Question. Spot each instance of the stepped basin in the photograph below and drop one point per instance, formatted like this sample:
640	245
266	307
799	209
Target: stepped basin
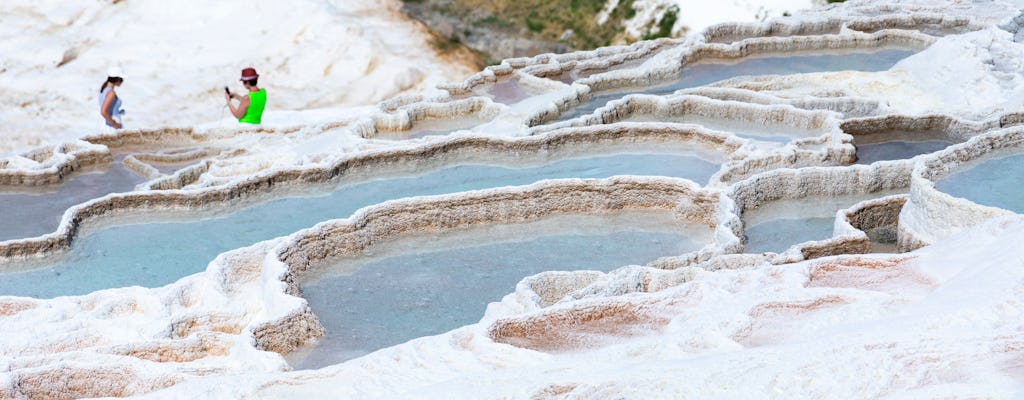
775	134
779	225
431	127
505	91
993	181
30	212
900	145
150	254
570	76
165	160
430	284
167	168
709	71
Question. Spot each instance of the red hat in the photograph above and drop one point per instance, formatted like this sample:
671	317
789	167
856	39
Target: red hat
249	74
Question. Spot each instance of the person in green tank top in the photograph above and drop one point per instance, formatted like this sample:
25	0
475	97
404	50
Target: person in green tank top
250	107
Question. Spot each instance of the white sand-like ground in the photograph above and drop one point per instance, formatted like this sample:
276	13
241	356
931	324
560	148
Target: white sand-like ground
179	55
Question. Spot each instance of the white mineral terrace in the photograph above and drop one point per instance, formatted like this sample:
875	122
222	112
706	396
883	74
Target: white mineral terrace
817	206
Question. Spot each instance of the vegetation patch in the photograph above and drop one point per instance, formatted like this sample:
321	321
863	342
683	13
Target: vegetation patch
534	23
665	24
548	20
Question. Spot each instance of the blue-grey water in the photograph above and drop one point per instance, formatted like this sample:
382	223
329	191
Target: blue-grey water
778	225
155	254
780	234
897	150
425	291
994	182
704	73
26	214
772	133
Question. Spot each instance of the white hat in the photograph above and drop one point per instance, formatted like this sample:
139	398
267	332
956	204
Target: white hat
115	72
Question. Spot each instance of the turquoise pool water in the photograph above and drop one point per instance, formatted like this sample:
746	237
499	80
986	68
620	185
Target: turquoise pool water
994	182
425	290
155	254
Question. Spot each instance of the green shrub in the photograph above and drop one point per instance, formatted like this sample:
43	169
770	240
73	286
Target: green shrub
547	19
623	10
589	6
533	23
665	24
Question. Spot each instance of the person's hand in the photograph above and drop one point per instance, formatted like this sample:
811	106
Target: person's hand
117	125
227	96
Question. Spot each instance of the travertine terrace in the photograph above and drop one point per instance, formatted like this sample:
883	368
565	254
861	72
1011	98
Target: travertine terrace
815	306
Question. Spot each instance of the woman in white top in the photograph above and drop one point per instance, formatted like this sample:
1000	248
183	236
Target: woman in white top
110	104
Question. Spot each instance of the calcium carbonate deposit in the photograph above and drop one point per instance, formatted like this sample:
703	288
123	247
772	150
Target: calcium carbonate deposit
822	205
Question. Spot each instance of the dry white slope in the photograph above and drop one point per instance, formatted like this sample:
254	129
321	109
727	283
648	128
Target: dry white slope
178	56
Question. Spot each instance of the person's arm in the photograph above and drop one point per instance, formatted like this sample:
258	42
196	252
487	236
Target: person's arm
107	102
243	105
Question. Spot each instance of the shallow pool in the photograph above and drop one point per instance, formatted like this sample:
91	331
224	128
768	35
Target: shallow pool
776	226
427	287
777	134
505	91
710	71
32	212
169	168
900	145
994	182
897	150
432	127
155	254
777	235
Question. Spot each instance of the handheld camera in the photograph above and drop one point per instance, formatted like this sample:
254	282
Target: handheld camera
226	90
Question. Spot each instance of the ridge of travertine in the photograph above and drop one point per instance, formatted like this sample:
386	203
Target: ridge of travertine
359	166
402	113
931	215
218	332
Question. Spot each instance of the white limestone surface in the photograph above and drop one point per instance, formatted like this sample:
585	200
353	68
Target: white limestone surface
979	78
695	15
942	321
311	55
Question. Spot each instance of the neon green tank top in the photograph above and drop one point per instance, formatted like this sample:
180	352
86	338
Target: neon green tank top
254	114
